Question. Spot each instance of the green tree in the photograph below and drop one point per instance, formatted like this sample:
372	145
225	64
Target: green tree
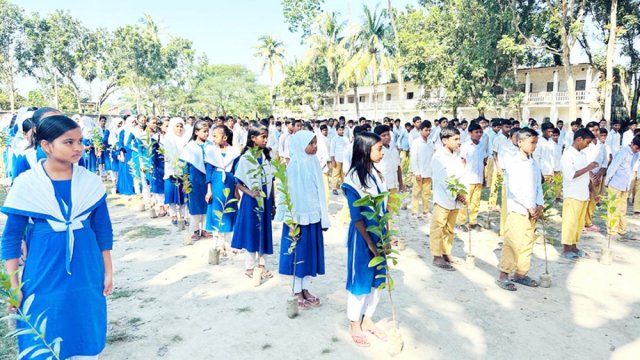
300	14
271	53
11	30
305	85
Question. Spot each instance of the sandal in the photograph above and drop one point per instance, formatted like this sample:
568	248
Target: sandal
451	260
378	333
445	266
360	339
583	254
315	301
206	234
174	220
526	281
303	304
266	274
570	255
249	273
506	284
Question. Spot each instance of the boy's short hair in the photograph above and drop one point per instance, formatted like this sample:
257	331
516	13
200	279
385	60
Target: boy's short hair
556	131
448	132
547	125
526	133
473	127
604	131
381	129
425	124
636	141
583	133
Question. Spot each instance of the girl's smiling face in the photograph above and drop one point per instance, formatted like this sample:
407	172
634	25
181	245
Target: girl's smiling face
203	133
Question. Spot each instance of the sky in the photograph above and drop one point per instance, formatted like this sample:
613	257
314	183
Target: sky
227	31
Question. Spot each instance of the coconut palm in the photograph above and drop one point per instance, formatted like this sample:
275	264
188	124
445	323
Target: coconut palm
271	53
326	44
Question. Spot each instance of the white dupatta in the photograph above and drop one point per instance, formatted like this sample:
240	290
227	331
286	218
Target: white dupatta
194	155
33	195
250	180
224	164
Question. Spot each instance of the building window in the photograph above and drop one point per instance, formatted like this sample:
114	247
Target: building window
410	95
581	85
388	97
549	86
341	100
361	98
350	99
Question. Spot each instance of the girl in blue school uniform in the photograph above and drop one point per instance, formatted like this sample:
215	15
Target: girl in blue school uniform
104	160
252	230
193	155
363	179
90	156
173	143
112	147
307	191
124	185
156	182
220	160
69	242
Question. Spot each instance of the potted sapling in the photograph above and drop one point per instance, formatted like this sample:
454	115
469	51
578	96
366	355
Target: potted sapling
455	187
183	179
549	195
259	176
214	252
610	204
497	189
383	206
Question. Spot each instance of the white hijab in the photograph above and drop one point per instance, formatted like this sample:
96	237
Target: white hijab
306	184
128	127
173	146
114	131
213	155
88	125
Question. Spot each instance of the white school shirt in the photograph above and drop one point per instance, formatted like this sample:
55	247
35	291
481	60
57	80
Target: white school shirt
627	137
474	156
420	157
444	165
346	160
568	139
573	160
544	155
557	155
598	153
338	144
414	134
282	142
464	136
500	143
323	152
619	173
389	166
524	189
613	140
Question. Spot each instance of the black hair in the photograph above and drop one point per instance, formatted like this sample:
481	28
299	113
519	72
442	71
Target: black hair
323	127
473	127
102	117
52	127
583	133
504	122
361	159
41	114
575	123
416	118
526	133
425	124
227	133
556	131
592	124
256	130
27	125
198	125
278	123
559	122
448	132
546	126
604	131
636	141
357	130
381	129
340	126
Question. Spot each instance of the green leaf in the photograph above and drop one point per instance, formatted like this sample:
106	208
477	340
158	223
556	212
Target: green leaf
43	326
27	303
26	351
40	352
376	261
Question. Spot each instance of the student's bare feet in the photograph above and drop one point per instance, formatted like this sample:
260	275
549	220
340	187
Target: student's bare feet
440	262
451	260
357	335
303	303
315	301
368	326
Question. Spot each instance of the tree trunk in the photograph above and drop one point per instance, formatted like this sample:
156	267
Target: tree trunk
357	100
636	96
611	48
399	69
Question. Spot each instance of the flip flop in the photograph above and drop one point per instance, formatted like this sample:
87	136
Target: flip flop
378	333
360	339
445	267
314	301
506	284
583	254
570	256
249	273
526	281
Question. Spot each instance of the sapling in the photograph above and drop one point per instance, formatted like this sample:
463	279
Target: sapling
456	188
497	189
610	203
97	142
382	208
549	196
227	208
37	329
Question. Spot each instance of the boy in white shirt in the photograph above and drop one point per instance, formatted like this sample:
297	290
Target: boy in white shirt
336	151
525	202
575	189
614	139
420	157
415	132
595	152
390	163
618	179
545	151
627	137
446	164
473	156
499	141
557	155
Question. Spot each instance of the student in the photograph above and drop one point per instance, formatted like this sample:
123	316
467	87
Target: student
446	164
114	134
628	135
415	131
252	230
568	138
557	155
575	189
615	138
69	243
420	157
90	156
125	185
306	188
499	142
525	202
104	160
618	179
193	156
362	281
602	139
156	182
336	152
595	152
389	166
545	152
474	156
221	159
173	144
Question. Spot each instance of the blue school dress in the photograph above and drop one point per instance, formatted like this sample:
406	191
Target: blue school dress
73	303
252	230
21	162
157	169
360	277
125	178
308	254
89	156
106	152
220	180
198	180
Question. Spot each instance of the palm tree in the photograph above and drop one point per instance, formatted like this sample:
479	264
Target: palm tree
271	52
369	46
326	44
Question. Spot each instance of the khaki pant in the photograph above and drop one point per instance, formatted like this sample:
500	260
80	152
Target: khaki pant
559	188
488	171
503	209
441	231
493	193
473	199
338	176
573	214
591	208
621	212
636	196
404	154
518	244
423	187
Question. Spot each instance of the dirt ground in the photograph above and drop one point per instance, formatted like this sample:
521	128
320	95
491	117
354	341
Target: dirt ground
170	303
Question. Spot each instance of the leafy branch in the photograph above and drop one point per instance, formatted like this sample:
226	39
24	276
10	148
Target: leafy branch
455	187
96	142
226	207
610	203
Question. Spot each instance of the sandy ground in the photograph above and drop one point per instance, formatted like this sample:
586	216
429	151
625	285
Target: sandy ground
169	303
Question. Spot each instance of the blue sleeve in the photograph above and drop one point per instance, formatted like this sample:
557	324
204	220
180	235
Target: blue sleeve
87	142
101	225
12	236
210	170
21	165
354	211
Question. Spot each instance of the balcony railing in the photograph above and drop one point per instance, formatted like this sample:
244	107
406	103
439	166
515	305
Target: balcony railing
560	97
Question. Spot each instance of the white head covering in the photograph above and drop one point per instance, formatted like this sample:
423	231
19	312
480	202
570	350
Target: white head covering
128	127
306	185
114	131
88	125
173	146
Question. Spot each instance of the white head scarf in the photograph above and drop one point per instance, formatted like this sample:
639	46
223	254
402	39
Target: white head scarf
306	185
87	124
173	146
114	131
128	127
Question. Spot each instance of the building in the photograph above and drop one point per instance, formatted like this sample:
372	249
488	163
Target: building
545	97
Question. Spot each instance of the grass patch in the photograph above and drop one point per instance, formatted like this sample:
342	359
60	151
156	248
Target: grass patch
334	339
121	293
144	231
326	351
266	346
176	339
243	309
118	336
134	321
